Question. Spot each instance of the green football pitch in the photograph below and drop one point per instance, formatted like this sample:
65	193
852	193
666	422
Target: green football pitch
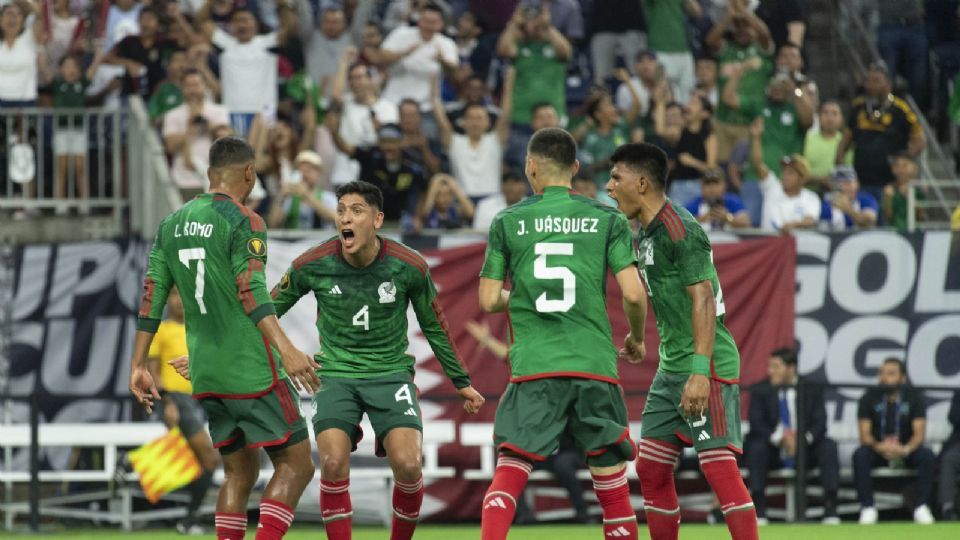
891	531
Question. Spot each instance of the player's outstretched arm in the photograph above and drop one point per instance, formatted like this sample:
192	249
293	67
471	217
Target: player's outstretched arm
703	313
635	309
433	324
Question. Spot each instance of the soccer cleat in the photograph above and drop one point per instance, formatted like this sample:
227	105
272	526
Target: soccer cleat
922	515
831	520
762	522
869	516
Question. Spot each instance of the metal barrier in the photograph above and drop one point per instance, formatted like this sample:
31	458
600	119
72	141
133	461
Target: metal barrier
83	161
63	159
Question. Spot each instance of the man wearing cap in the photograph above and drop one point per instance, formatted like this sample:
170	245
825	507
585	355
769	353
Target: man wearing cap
847	207
786	204
303	203
878	126
715	208
388	167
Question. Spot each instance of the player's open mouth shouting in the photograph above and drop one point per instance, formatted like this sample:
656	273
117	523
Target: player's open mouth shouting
348	238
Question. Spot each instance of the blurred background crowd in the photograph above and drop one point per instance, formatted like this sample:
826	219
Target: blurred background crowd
434	101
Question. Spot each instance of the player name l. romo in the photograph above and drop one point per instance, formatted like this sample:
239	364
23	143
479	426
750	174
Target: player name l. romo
193	228
565	225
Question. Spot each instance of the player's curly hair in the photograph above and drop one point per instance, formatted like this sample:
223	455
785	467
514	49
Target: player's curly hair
370	193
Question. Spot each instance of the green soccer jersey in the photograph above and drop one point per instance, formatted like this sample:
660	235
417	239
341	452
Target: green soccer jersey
674	252
556	248
214	250
362	312
541	76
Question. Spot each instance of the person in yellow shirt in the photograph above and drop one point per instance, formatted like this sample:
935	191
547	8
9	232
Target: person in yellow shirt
179	409
955	220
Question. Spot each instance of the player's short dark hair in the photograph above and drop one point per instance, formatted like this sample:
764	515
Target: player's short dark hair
541	105
554	144
645	158
229	152
370	193
899	362
787	354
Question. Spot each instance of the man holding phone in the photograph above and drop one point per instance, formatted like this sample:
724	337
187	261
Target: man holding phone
715	208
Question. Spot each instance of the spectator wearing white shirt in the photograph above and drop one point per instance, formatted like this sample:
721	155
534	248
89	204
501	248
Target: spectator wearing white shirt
362	111
20	41
188	132
512	190
476	156
787	206
418	54
649	74
248	67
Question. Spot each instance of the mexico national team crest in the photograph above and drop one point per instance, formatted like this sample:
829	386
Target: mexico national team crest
257	247
388	292
647	253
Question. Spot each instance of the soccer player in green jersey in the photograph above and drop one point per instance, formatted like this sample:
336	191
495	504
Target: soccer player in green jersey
694	398
556	248
241	363
363	284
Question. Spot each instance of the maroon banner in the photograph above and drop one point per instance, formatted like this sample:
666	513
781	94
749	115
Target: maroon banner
758	278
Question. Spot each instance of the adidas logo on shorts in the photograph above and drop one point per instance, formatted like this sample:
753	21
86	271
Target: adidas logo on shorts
703	436
336	290
619	532
410	412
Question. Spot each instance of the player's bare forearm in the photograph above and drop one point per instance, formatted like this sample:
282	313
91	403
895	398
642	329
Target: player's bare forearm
142	384
493	298
703	314
634	300
269	326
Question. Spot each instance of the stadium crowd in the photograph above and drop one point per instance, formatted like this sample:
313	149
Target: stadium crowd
435	100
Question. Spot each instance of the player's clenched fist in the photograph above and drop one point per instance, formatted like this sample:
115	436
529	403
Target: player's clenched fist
472	400
301	368
633	351
695	395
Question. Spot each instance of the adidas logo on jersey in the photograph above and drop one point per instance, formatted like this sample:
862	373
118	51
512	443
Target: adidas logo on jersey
496	503
703	436
336	290
410	412
619	532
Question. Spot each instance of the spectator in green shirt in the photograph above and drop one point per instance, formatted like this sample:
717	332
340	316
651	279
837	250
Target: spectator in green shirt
70	136
539	53
605	131
168	94
748	51
787	115
894	206
667	34
820	146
